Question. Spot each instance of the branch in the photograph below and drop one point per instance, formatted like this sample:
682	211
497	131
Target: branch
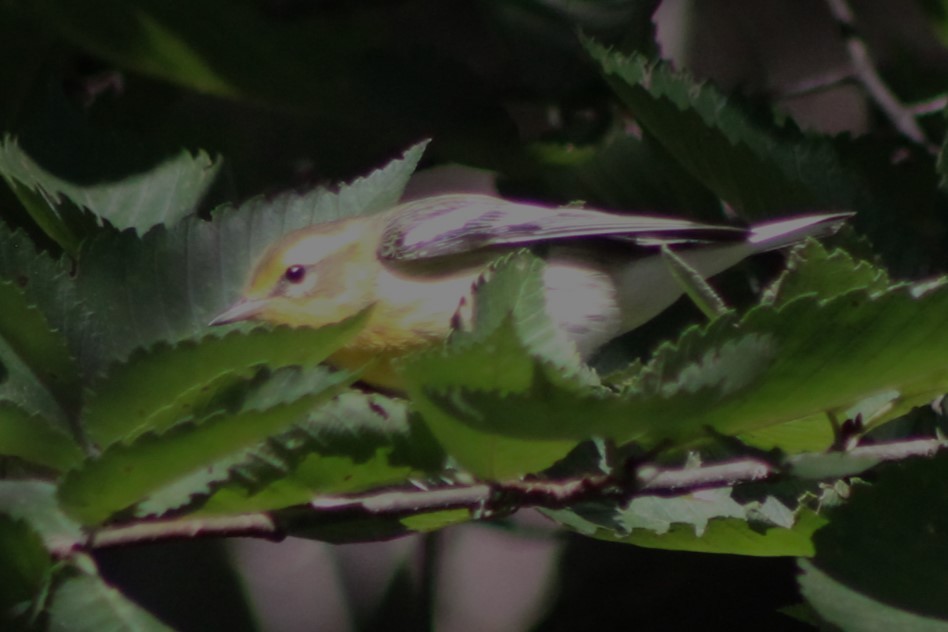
257	525
485	500
816	84
935	105
901	117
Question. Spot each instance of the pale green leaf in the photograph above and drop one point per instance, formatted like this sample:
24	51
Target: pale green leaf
715	524
85	603
126	192
34	502
812	269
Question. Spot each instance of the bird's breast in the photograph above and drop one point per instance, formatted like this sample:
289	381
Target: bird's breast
412	311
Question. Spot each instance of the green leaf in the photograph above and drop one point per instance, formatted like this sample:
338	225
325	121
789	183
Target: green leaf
126	181
34	502
41	376
512	350
753	164
354	443
709	521
759	163
45	282
493	390
501	435
25	567
888	544
267	389
162	193
63	222
436	520
812	269
85	603
809	434
771	367
812	356
854	611
351	443
510	318
157	387
33	438
127	473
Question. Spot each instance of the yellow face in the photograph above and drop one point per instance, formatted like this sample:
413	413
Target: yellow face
312	277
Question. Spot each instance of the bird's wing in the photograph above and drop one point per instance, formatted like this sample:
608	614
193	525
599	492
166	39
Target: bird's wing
451	224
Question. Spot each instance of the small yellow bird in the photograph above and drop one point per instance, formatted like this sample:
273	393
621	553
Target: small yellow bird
415	264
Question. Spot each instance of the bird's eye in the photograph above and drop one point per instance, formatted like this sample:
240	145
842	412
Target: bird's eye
295	273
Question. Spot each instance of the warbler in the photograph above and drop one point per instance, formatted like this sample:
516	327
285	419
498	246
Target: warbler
415	265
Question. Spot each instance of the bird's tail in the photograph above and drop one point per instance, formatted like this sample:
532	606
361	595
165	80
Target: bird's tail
786	232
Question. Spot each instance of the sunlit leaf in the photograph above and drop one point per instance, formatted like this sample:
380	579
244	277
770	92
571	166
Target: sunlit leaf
162	385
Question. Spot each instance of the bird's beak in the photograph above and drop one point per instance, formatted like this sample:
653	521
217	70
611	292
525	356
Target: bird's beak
244	309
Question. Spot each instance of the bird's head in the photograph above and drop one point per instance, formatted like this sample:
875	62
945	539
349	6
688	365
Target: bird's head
312	277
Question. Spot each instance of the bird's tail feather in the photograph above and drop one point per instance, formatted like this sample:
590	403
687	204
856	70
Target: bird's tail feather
785	232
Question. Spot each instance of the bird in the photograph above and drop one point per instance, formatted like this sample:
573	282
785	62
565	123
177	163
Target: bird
415	265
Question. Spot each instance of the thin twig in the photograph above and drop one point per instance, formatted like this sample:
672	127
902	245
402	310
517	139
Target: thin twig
812	85
487	499
901	117
928	107
257	525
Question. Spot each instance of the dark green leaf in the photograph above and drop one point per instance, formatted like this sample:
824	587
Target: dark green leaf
35	439
45	282
345	442
85	603
127	473
888	545
351	444
755	166
761	164
25	567
839	604
41	375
